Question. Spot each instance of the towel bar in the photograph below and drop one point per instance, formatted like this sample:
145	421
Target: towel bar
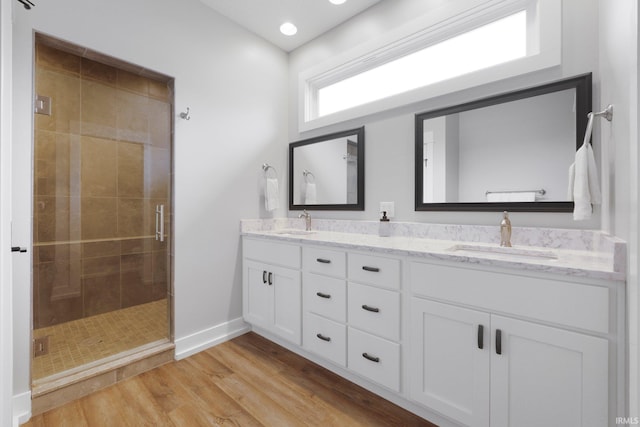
542	191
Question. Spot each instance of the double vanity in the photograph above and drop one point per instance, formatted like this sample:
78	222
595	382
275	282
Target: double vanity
446	323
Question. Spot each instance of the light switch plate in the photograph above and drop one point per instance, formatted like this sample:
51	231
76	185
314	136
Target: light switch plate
389	207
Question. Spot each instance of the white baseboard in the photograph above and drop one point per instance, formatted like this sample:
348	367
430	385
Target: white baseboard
21	408
210	337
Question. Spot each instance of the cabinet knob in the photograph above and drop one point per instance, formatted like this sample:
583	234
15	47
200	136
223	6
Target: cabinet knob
321	295
498	341
480	337
323	260
264	276
270	280
371	269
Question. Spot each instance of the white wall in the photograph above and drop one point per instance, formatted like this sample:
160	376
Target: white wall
6	313
618	46
389	136
235	85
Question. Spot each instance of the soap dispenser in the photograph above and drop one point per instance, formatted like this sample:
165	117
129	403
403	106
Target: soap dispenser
385	226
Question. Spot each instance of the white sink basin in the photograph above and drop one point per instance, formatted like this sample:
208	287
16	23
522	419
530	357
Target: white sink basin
294	232
530	253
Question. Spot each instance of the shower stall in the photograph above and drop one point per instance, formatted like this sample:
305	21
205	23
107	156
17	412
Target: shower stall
101	209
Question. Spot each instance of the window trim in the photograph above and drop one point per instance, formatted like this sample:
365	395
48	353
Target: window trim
544	51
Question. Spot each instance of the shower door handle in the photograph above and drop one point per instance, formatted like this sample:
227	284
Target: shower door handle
160	222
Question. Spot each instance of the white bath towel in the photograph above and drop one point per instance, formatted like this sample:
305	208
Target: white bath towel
311	194
512	196
584	188
271	200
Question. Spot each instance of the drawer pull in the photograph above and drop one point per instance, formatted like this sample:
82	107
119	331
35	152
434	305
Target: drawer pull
323	338
323	261
371	358
321	295
480	337
371	309
498	341
264	276
270	278
371	269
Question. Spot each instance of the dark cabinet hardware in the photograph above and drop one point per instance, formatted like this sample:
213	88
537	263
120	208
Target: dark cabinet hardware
323	260
371	309
498	341
372	269
371	358
321	295
264	276
323	338
270	278
480	337
18	249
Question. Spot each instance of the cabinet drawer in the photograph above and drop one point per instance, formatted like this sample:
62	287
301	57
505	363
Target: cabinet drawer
374	310
270	252
565	303
326	338
374	358
326	296
324	261
375	270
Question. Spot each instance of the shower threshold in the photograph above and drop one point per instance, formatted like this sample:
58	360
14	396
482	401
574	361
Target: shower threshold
58	389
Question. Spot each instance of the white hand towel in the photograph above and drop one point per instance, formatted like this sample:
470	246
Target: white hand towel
584	188
271	200
513	196
311	194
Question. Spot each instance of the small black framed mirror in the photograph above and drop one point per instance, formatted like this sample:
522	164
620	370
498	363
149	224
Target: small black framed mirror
327	172
506	152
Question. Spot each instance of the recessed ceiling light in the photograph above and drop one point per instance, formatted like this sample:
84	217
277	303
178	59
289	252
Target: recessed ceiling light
288	29
337	1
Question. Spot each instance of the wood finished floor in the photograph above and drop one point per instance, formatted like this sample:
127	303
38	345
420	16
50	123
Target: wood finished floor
248	381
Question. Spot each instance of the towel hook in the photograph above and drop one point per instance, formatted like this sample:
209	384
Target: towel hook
185	115
266	167
607	113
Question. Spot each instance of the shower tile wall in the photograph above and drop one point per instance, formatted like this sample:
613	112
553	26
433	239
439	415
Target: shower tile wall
102	164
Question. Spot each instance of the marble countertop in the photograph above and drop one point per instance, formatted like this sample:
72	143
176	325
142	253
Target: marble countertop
595	260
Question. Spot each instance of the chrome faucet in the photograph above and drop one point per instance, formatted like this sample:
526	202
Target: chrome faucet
307	219
505	230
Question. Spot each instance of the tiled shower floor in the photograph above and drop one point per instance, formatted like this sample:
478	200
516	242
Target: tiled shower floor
87	340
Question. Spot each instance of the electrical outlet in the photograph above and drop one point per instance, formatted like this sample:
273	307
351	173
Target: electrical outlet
389	207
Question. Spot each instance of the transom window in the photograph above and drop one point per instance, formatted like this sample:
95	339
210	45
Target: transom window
495	43
465	44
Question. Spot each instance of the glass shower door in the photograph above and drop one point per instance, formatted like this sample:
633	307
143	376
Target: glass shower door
101	204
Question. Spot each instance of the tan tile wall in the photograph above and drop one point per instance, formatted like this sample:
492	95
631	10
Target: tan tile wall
102	163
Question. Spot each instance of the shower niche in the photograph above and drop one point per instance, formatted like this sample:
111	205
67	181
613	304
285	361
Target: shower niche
102	169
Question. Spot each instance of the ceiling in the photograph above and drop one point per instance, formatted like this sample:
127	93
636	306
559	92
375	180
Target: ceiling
312	17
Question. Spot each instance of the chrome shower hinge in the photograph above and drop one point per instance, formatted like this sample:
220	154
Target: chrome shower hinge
41	346
43	105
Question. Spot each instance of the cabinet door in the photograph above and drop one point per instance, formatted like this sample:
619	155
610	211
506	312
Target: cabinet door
257	298
287	303
547	376
451	371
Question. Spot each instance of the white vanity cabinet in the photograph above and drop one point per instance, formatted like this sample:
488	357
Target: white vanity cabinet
486	369
458	343
325	303
272	290
374	318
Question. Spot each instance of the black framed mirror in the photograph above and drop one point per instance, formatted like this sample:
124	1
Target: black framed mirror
506	152
327	172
